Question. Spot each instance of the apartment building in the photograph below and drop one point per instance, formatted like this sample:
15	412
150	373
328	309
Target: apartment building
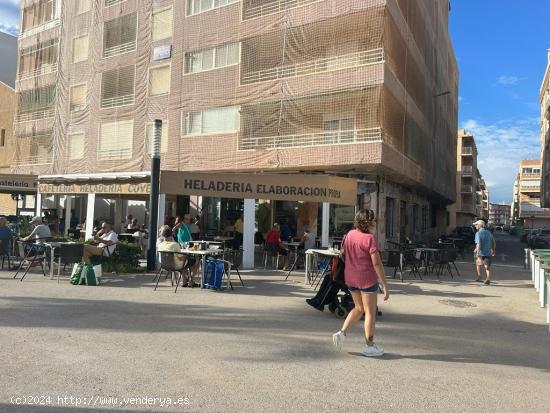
482	198
544	98
468	201
364	90
526	206
499	214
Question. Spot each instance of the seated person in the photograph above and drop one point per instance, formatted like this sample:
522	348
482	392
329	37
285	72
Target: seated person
169	244
274	243
5	232
40	230
106	238
307	241
133	226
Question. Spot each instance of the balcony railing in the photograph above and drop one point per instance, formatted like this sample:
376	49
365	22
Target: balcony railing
359	59
373	135
119	49
37	115
33	160
42	70
467	150
114	154
273	7
112	2
467	170
466	189
117	101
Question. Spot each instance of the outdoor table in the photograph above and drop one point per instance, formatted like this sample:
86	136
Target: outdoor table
294	246
328	254
203	254
52	246
538	256
426	253
541	260
543	297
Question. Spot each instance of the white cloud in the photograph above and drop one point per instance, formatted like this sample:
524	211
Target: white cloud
500	148
9	28
507	80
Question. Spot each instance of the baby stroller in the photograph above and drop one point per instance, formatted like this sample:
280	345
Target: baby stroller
328	294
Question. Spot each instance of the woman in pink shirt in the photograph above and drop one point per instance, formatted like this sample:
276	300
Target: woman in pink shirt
364	273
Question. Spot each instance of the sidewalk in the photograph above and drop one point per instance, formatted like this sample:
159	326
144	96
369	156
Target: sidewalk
451	345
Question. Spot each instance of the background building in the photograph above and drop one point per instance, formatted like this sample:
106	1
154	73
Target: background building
526	206
499	214
468	201
544	97
482	198
359	89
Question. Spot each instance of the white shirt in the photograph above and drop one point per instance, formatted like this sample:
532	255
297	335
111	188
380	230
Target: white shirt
109	236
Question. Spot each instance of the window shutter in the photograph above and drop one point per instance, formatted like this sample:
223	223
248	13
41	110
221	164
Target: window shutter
162	24
116	140
76	146
78	97
119	35
117	87
163	137
159	80
80	49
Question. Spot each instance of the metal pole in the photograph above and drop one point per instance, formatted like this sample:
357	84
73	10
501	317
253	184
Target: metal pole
154	196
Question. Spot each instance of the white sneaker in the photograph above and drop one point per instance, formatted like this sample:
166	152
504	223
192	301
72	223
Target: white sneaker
338	340
372	351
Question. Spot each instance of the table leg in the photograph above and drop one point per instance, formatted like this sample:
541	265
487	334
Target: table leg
52	261
307	265
203	276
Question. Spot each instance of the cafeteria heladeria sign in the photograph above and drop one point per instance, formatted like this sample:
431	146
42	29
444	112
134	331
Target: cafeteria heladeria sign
283	187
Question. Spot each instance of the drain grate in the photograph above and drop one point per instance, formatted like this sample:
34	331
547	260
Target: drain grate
458	303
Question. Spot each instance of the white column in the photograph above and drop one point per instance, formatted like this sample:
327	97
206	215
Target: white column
38	211
325	224
248	236
68	206
90	216
119	215
162	209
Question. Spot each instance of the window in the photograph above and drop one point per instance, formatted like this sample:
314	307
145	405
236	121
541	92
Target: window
162	24
82	6
390	217
159	80
163	137
424	220
3	137
75	148
78	97
115	141
212	121
414	220
112	2
342	128
119	35
37	14
38	59
117	87
200	6
36	99
220	56
80	48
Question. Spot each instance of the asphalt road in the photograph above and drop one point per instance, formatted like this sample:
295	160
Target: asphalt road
452	345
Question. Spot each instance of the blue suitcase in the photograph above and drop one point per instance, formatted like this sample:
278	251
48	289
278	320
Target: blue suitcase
214	274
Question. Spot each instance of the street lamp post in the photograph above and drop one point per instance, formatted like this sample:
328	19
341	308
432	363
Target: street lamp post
154	195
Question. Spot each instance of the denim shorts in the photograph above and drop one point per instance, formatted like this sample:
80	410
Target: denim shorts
372	289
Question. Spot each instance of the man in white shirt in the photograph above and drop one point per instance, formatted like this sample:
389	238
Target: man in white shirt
106	238
40	231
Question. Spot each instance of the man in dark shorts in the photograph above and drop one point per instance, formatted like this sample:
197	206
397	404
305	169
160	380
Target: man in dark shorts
485	250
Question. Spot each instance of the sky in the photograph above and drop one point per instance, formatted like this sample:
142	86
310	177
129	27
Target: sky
501	52
501	49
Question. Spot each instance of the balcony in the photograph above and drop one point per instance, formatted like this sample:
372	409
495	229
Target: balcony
36	115
359	59
341	137
467	170
33	160
114	154
467	150
466	189
40	71
120	49
117	101
270	7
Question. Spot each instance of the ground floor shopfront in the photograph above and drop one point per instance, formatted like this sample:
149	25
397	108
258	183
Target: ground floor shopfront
325	204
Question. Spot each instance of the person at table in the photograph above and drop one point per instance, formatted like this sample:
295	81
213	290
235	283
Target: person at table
286	232
307	241
239	231
133	226
363	273
195	229
182	229
274	243
5	232
181	262
228	228
40	230
106	239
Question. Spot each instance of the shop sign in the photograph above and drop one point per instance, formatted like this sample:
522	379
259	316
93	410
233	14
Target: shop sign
12	183
143	188
284	187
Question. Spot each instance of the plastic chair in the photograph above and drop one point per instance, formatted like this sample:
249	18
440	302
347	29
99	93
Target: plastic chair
5	251
33	253
271	250
68	254
106	257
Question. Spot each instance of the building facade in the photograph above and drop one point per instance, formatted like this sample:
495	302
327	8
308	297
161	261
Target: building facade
526	206
544	98
482	198
359	89
468	202
499	214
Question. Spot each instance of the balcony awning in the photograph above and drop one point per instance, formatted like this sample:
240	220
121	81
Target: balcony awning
18	184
